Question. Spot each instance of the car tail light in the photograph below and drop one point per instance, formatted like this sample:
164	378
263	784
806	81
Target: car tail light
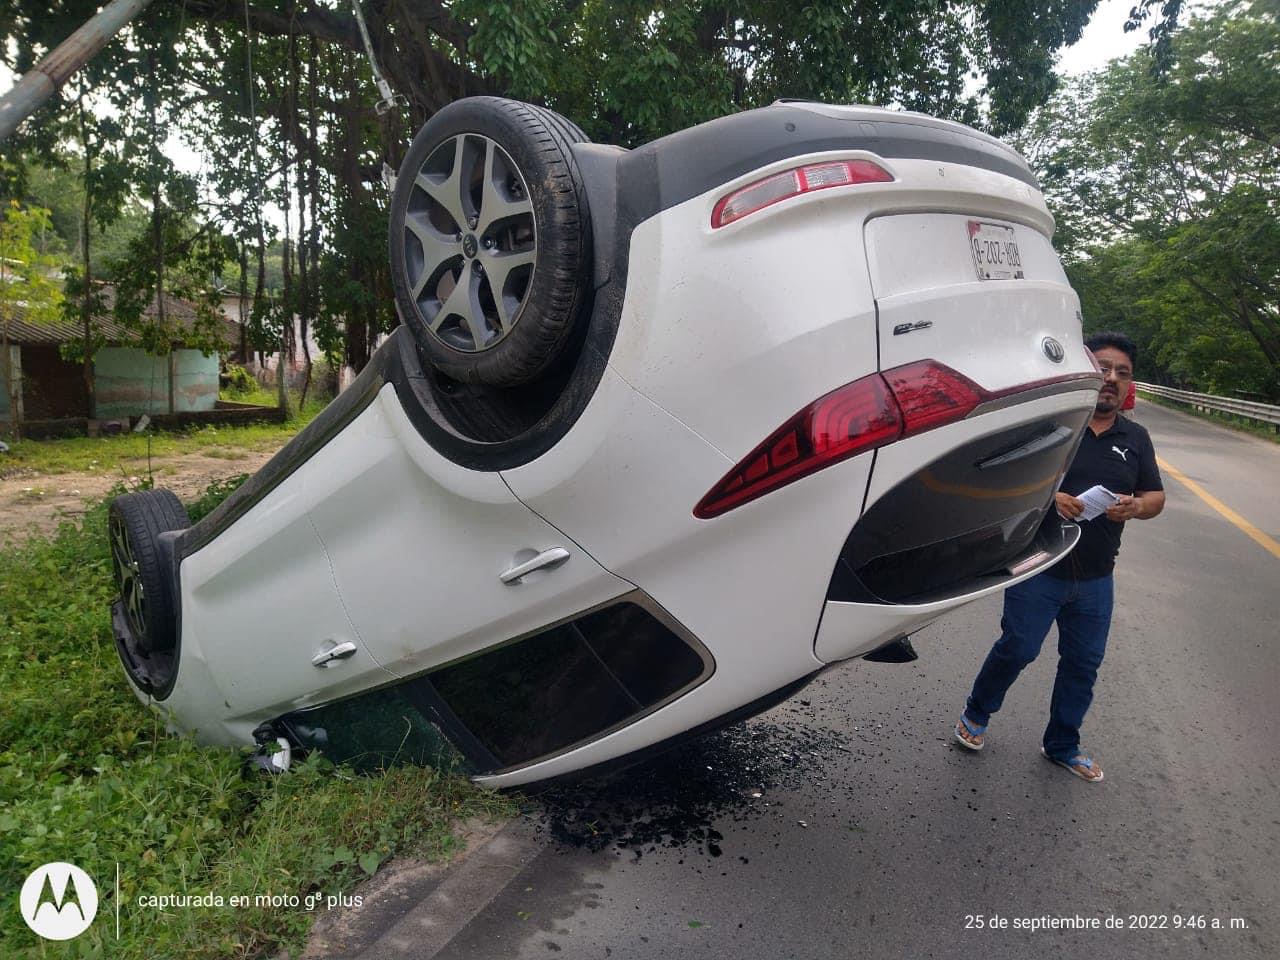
860	416
792	183
931	395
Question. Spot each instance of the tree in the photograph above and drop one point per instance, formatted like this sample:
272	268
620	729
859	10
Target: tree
289	76
26	289
1176	176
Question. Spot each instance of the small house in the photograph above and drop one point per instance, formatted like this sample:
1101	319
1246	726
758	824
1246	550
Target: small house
128	381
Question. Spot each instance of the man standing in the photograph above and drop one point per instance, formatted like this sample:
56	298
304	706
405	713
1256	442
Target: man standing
1115	453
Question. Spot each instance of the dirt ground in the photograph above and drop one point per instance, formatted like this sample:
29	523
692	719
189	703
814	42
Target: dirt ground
36	504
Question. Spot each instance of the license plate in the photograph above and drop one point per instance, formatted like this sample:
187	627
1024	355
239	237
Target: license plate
995	251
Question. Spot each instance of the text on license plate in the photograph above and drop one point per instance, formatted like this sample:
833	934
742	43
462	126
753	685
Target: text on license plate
995	251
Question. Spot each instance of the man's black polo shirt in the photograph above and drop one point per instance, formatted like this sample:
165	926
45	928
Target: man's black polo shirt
1122	460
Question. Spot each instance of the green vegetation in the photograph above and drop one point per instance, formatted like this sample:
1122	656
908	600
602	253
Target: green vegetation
89	776
1166	187
26	290
240	382
127	454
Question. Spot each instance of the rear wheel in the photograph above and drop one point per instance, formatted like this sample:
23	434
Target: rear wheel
489	240
135	521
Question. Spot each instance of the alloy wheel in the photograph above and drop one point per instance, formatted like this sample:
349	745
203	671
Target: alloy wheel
129	580
470	243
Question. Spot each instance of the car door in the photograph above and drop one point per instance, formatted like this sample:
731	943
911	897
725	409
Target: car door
427	555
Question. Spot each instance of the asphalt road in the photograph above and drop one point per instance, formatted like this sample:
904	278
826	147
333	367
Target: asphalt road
844	823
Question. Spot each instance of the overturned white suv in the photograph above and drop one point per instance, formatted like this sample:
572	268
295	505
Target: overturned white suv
663	434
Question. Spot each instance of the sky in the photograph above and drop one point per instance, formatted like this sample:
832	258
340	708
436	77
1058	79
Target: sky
1103	40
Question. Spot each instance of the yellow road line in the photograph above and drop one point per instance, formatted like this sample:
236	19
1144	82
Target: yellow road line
1252	532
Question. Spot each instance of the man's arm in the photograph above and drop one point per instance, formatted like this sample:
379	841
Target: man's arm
1143	505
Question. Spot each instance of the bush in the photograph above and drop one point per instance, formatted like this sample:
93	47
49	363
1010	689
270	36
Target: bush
237	381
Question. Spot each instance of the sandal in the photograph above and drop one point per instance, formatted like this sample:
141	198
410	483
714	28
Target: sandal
1082	765
969	735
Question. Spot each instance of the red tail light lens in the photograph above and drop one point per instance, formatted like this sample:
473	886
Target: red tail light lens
931	395
792	183
860	416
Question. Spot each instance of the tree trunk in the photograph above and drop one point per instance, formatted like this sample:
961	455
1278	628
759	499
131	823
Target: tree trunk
303	299
87	298
244	302
286	321
157	215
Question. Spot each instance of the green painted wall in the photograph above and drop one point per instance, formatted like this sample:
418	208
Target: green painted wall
129	382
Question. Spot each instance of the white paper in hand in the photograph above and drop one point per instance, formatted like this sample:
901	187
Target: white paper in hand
1096	500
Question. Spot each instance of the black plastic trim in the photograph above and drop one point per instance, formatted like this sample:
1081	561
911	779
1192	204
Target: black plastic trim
598	166
1031	448
958	517
683	165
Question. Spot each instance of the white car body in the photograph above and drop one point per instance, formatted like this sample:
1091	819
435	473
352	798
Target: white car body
379	540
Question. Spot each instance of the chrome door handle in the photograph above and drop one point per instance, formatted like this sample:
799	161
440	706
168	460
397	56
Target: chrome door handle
339	651
543	561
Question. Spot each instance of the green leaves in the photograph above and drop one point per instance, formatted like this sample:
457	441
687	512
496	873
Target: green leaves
26	286
1167	194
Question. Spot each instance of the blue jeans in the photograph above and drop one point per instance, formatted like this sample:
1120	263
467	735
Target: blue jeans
1082	609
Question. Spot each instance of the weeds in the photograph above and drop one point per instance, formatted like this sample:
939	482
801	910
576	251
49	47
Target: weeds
89	776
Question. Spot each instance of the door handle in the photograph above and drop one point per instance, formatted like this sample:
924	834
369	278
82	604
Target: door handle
339	651
546	560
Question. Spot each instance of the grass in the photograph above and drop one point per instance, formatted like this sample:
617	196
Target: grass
1264	430
89	776
125	454
260	395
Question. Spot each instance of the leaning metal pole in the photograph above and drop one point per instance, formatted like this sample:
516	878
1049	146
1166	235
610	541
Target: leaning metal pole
47	77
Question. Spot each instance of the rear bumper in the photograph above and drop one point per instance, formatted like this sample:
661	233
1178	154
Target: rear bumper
853	629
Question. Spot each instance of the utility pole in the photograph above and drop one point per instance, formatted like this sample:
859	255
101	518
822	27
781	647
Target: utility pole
47	77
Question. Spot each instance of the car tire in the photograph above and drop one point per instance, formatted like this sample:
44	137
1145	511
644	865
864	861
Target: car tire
490	240
567	128
134	523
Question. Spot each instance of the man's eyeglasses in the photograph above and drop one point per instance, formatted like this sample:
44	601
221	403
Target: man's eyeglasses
1120	373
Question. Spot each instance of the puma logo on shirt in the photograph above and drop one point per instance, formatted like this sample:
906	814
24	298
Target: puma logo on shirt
1121	452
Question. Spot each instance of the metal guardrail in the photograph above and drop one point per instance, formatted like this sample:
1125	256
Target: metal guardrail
1262	412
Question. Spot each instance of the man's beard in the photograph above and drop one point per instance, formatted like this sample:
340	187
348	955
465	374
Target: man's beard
1108	403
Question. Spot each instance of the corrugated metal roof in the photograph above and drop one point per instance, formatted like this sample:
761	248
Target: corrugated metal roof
181	312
